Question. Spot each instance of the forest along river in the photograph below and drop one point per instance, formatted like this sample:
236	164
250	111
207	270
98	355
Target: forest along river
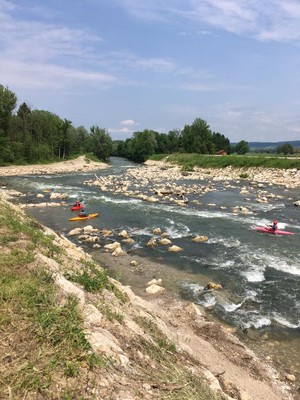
260	273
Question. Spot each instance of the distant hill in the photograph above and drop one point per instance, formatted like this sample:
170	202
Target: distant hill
271	145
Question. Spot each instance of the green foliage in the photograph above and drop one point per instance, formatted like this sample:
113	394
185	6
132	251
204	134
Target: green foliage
95	279
188	161
242	147
197	138
8	101
142	145
158	157
102	143
285	149
244	175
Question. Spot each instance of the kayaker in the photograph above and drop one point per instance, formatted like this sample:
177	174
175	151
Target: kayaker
77	203
83	213
275	225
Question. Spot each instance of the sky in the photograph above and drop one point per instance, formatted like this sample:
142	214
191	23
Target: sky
130	65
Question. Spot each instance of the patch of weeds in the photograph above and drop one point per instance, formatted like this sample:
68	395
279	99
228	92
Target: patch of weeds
244	175
16	257
4	240
17	224
113	315
152	329
49	341
95	279
165	344
171	374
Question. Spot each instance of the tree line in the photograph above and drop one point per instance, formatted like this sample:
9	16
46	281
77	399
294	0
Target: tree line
34	136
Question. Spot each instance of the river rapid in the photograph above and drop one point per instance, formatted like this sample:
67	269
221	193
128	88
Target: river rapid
260	273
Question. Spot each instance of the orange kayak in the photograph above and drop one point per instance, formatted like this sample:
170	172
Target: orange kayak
84	218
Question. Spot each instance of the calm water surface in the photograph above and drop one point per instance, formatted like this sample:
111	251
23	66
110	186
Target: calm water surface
260	273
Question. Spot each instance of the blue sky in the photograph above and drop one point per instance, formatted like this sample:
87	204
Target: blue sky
130	65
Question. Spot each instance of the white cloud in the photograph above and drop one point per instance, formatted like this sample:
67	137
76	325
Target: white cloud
263	20
48	76
128	122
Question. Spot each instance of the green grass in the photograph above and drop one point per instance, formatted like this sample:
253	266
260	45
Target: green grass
189	161
41	337
49	334
95	279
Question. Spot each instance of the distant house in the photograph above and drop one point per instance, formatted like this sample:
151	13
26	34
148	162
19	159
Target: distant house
221	153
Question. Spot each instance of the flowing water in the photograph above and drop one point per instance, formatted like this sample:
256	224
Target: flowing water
260	273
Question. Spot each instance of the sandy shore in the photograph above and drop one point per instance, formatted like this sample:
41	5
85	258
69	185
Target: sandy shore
80	164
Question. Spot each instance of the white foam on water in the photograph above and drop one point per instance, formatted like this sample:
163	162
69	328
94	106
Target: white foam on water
230	307
114	200
284	322
208	300
227	242
195	288
257	321
178	230
254	274
281	264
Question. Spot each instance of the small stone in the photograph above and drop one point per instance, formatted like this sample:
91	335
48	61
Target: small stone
290	377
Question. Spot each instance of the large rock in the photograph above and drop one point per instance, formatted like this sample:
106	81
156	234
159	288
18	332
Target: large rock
152	242
124	234
200	239
153	289
58	196
214	286
112	246
165	241
118	252
74	232
174	249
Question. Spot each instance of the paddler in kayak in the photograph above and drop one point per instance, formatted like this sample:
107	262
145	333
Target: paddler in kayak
274	226
77	204
83	213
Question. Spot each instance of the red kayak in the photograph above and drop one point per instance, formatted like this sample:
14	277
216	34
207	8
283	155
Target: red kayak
76	208
270	230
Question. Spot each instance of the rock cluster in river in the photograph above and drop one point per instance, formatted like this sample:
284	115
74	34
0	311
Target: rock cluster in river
159	182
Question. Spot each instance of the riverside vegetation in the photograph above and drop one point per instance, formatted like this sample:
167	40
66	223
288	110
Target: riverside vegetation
189	161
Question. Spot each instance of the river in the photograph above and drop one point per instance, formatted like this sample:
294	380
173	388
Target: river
260	273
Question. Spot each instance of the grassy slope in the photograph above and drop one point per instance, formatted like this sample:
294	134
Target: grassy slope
44	352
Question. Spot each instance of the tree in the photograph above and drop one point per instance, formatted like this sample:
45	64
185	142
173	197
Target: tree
23	113
173	140
221	142
64	139
161	143
142	145
242	147
197	138
8	101
285	149
102	143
